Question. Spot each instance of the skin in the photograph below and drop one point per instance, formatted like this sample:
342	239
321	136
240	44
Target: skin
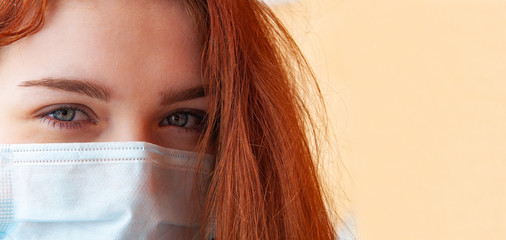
142	53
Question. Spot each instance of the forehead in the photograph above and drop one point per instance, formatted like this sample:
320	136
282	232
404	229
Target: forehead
130	40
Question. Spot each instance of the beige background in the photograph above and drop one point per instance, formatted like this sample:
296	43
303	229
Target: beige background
416	92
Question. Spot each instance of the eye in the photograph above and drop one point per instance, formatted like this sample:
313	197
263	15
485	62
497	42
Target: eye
67	114
178	119
71	116
185	119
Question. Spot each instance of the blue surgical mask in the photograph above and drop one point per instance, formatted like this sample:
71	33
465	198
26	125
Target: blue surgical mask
113	190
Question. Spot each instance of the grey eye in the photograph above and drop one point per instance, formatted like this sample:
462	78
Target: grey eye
178	119
64	114
187	119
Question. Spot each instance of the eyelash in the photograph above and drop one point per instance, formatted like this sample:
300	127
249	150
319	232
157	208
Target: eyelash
61	124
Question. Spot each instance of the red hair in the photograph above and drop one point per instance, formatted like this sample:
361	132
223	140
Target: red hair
265	184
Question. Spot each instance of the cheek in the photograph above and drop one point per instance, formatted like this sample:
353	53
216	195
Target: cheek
177	138
11	127
12	132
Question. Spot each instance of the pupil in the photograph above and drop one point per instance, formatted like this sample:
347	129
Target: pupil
64	115
178	119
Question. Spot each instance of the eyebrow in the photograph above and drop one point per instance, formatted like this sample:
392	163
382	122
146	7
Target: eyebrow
170	97
91	89
95	90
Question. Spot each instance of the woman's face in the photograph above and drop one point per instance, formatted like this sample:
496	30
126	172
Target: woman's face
110	70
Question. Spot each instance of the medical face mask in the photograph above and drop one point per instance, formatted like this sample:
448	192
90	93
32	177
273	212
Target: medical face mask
94	191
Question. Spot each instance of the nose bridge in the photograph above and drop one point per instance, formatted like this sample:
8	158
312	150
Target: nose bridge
128	130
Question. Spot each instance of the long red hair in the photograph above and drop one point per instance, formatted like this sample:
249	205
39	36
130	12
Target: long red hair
265	184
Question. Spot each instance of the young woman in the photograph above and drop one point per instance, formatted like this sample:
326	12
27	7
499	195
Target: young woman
87	84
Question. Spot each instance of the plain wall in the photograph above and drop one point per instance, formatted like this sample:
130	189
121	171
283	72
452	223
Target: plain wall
416	92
